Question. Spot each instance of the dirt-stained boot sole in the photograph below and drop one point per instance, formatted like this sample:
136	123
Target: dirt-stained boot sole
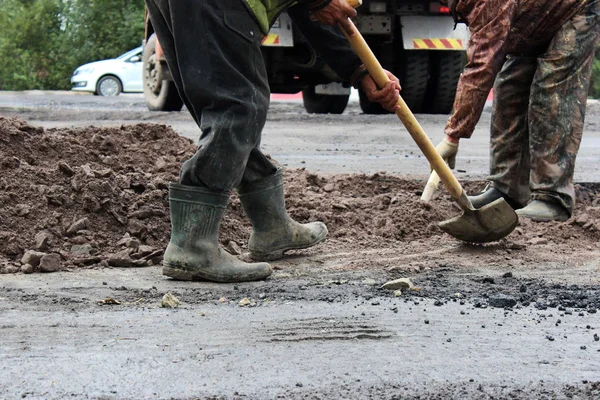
276	253
180	274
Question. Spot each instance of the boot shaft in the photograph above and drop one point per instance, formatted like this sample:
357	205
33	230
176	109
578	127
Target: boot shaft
195	213
264	202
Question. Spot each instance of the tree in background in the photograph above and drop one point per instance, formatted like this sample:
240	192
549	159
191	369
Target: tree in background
595	83
43	41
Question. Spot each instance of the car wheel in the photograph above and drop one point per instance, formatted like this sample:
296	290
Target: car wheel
160	94
109	86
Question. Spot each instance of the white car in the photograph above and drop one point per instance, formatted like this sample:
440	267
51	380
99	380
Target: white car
111	77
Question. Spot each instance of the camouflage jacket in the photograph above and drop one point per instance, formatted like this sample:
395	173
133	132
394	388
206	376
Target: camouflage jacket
499	28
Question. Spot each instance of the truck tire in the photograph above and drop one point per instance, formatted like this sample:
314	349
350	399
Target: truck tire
446	69
414	73
323	104
412	68
160	94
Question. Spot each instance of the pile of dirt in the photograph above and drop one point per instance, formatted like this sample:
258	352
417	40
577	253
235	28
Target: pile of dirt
99	196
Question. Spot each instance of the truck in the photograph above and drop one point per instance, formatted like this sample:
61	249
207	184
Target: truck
417	40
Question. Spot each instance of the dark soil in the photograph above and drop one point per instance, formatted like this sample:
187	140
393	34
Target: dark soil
99	197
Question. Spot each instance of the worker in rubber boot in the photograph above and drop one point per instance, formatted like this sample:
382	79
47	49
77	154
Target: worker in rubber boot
212	48
537	55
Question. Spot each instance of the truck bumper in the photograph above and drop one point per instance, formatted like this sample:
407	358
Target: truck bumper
433	33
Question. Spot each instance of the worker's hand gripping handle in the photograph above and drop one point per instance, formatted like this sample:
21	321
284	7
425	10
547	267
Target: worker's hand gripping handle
408	119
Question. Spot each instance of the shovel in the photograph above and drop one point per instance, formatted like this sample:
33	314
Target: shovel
489	223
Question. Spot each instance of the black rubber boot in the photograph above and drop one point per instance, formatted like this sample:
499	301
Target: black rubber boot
273	231
539	210
490	195
193	252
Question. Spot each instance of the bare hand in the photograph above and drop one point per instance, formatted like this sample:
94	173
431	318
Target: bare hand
386	96
336	12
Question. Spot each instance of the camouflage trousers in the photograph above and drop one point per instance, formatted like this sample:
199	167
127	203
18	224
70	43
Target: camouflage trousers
538	114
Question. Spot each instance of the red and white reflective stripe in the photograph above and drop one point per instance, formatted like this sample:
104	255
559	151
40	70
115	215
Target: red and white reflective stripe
439	44
271	39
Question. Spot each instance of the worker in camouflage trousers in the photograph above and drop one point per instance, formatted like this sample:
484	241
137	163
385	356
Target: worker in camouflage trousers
537	55
212	48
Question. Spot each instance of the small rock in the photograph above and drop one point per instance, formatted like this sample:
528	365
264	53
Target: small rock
50	263
340	206
369	282
65	169
160	164
488	279
523	288
129	242
78	226
550	338
234	248
27	269
123	241
537	241
87	171
11	269
32	257
397	293
103	173
222	300
329	187
508	275
402	283
22	210
79	240
81	249
121	259
42	239
244	302
502	301
169	301
109	301
145	250
133	243
596	337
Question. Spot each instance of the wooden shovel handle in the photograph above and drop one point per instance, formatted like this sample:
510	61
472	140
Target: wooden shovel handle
361	48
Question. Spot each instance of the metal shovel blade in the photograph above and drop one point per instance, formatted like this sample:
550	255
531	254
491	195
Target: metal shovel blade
489	223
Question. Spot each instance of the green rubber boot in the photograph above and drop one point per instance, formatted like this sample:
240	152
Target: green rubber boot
194	253
539	210
273	231
490	195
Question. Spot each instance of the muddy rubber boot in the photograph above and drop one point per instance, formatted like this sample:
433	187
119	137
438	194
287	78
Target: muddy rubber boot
273	231
539	210
490	195
194	252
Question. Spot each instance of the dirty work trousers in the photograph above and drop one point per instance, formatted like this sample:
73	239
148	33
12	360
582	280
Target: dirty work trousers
212	49
538	114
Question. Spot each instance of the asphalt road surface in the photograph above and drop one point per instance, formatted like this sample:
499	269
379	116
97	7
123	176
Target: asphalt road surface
303	335
347	143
